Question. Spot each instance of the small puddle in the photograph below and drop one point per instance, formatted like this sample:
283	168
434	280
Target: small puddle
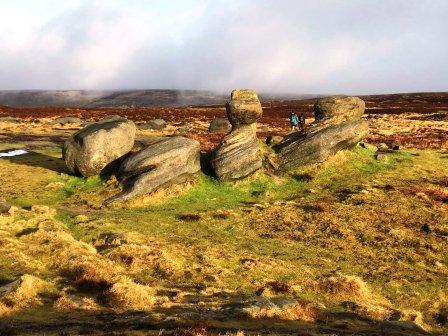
14	152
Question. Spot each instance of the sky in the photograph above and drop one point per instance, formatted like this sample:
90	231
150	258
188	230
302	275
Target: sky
278	46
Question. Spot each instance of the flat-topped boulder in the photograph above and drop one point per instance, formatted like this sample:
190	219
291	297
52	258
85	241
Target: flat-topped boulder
338	126
164	161
99	147
244	108
339	109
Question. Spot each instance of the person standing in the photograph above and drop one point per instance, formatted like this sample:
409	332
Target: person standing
302	121
294	120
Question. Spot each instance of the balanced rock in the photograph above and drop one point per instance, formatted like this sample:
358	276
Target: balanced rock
338	126
165	160
99	147
244	108
220	125
238	154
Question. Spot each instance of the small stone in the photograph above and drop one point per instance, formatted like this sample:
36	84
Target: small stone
4	207
154	124
394	146
67	121
110	239
273	140
220	125
184	128
382	147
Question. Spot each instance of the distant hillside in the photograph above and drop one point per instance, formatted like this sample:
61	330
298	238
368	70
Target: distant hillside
129	98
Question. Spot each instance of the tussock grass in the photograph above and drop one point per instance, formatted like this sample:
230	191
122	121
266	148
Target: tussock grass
22	295
302	311
126	294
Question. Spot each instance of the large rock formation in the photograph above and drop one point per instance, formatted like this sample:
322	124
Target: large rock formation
164	161
338	126
98	147
238	154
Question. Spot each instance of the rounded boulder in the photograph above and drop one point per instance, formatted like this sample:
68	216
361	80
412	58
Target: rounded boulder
339	108
244	108
99	147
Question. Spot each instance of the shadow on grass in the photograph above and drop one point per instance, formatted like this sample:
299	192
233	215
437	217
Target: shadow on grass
184	319
36	159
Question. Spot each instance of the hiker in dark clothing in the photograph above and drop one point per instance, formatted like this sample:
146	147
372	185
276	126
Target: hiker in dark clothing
302	121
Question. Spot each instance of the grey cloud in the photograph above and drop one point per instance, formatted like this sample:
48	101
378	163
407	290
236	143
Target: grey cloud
277	46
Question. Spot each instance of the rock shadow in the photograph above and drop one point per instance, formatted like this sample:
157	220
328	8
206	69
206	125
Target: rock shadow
36	159
183	319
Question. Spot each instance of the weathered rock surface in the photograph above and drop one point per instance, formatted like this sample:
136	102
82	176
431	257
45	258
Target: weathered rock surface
244	108
4	207
164	161
220	125
154	124
339	108
273	140
338	126
98	147
238	154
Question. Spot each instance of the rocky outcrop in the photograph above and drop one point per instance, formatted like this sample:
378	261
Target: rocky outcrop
219	125
99	147
238	154
164	161
338	126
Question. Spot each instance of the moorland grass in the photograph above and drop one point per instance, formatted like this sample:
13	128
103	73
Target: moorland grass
352	215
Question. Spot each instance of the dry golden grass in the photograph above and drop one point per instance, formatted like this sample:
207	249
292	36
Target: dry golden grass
126	294
69	302
136	258
25	295
345	287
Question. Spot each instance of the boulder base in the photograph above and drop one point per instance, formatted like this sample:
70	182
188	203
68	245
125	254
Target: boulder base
98	147
238	155
164	161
